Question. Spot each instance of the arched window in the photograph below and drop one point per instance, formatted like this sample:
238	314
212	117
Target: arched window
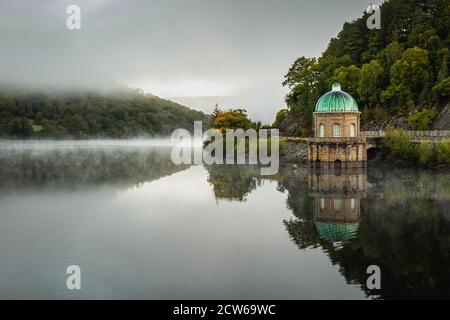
336	130
337	204
352	130
352	204
322	203
321	130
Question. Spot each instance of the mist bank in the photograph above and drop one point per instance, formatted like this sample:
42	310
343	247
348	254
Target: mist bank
122	113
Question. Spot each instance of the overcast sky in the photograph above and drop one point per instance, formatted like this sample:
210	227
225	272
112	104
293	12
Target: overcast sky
238	49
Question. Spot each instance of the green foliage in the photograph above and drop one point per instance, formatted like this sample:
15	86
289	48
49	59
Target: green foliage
390	54
122	114
20	128
301	78
422	120
233	119
424	152
443	152
281	115
403	64
369	83
411	74
215	113
399	98
348	77
442	89
444	55
398	145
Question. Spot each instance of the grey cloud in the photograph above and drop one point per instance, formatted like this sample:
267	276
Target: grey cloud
245	45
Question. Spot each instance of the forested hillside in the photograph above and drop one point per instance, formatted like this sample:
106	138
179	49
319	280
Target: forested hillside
397	72
122	114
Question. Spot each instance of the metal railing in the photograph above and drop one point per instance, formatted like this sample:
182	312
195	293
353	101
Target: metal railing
439	134
373	134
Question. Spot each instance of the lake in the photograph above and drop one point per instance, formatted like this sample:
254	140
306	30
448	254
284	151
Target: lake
141	227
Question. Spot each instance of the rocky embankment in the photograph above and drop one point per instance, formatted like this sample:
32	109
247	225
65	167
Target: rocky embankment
293	126
443	120
294	150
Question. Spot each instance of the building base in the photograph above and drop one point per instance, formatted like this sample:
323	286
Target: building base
337	152
337	164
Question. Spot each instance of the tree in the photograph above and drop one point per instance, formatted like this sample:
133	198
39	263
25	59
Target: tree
410	80
302	79
392	53
302	72
441	90
281	115
215	113
402	65
443	69
121	114
76	125
424	152
398	145
233	119
349	78
422	120
370	83
20	127
443	152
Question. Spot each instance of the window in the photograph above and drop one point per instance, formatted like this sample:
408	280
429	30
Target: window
353	204
322	203
337	204
321	130
352	130
337	130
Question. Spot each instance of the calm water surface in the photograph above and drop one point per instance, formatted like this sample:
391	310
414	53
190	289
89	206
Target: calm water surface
141	227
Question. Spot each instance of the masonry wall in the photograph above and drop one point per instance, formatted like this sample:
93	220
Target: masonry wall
329	119
348	184
351	152
337	209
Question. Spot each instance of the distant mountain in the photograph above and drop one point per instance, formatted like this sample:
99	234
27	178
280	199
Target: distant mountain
122	113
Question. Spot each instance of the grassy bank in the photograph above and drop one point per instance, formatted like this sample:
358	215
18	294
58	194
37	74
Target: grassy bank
398	148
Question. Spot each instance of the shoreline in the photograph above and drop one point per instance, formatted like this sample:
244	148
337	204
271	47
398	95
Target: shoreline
293	151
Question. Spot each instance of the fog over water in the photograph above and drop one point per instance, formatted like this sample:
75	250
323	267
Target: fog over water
142	227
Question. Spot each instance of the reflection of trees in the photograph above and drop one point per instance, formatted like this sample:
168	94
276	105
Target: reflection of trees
233	182
400	230
23	167
409	241
403	223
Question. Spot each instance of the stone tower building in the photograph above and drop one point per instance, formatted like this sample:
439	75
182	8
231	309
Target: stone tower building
337	140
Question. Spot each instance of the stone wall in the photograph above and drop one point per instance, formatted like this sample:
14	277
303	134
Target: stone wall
337	209
348	184
351	152
329	119
294	150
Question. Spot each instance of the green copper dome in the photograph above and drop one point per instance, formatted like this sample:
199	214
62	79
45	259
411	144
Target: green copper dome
334	232
336	101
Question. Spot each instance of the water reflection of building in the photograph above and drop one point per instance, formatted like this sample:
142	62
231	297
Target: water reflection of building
337	202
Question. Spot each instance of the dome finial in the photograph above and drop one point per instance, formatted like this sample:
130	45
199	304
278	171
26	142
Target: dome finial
336	86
